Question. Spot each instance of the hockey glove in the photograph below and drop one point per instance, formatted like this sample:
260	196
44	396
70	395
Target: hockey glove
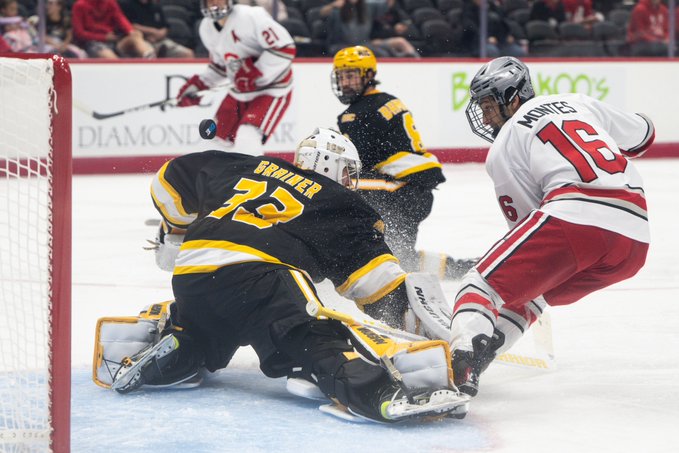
245	78
187	93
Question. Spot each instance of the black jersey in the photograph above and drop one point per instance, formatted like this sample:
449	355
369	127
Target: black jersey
263	209
389	144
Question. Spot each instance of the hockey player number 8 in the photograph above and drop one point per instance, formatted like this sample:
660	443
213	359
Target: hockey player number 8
602	157
266	214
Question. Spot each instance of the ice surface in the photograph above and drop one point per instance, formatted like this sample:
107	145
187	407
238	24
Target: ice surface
616	388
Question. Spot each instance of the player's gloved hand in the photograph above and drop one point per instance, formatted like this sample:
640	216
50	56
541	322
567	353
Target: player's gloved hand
244	80
187	96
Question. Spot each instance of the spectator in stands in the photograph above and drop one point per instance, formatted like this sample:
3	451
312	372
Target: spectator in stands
4	47
351	22
148	18
551	11
581	12
395	21
104	31
647	30
500	40
17	33
58	32
276	8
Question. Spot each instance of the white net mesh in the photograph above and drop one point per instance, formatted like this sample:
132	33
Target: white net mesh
26	97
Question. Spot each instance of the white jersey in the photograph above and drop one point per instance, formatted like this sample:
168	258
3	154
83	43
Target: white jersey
249	32
565	155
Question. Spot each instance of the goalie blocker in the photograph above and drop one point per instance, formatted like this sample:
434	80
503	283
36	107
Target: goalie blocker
364	373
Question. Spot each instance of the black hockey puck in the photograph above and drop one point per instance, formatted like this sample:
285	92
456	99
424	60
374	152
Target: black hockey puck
207	129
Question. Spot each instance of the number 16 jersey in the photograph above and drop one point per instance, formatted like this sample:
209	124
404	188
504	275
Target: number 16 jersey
567	155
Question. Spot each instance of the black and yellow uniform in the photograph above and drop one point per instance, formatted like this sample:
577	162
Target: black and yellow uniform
398	174
259	229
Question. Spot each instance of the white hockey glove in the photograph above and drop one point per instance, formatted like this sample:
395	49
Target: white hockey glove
166	246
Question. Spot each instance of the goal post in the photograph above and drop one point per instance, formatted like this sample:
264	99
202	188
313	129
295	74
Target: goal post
35	253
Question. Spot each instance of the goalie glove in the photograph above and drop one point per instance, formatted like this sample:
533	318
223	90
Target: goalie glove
245	78
187	93
166	246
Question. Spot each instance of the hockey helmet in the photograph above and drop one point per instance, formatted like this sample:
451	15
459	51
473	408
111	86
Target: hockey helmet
331	154
501	80
215	9
357	58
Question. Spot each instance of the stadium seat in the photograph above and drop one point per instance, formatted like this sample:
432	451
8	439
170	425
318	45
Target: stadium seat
446	5
179	31
189	5
412	5
544	40
454	17
312	15
513	5
611	36
421	15
296	27
177	12
571	31
521	15
305	5
440	39
619	17
294	13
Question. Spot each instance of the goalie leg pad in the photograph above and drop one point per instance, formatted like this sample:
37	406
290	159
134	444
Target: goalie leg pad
429	309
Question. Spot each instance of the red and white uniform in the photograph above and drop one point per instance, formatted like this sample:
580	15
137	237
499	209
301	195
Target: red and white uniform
249	33
576	208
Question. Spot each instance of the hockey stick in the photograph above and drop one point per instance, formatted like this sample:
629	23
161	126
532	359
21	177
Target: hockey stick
162	104
542	355
317	310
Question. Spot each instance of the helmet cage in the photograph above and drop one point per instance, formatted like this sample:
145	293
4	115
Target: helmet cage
350	96
215	12
502	80
330	154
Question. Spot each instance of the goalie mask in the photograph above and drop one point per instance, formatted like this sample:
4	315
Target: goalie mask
330	154
216	9
353	71
497	84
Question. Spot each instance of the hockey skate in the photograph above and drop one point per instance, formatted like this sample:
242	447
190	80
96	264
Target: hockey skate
151	366
468	365
396	405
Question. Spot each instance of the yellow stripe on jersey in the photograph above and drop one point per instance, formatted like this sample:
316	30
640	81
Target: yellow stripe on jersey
404	163
304	286
203	256
374	280
169	201
380	184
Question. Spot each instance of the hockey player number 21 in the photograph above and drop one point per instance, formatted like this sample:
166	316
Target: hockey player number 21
266	213
603	158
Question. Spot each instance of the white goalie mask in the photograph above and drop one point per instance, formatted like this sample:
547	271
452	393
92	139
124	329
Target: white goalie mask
330	154
216	9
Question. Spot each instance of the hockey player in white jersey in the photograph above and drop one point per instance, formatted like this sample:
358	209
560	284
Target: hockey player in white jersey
574	202
254	53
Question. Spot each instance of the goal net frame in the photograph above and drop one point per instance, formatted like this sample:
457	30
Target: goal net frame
56	166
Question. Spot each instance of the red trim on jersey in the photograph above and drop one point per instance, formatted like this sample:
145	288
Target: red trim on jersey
289	49
635	198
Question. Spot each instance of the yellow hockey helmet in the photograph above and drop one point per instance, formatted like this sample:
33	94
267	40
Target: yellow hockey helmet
356	58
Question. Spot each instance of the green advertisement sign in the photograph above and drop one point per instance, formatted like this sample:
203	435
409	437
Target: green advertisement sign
543	83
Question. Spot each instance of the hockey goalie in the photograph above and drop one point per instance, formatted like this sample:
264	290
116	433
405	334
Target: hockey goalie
365	372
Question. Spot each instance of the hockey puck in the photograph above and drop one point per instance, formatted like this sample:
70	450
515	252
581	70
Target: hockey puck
207	129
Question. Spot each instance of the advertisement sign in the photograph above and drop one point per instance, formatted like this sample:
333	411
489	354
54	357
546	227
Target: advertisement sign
436	92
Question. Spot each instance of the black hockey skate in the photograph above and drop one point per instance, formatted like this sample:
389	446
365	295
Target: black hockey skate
153	366
468	365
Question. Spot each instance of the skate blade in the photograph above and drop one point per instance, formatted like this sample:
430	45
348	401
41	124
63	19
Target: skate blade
126	375
342	412
441	403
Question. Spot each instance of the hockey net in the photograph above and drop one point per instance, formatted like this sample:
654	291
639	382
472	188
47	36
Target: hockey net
35	253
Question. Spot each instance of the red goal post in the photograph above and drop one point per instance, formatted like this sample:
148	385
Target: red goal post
35	253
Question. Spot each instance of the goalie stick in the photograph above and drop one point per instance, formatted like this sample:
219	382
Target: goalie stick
162	104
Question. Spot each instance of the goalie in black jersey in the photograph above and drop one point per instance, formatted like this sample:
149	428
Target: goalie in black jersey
258	232
399	174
